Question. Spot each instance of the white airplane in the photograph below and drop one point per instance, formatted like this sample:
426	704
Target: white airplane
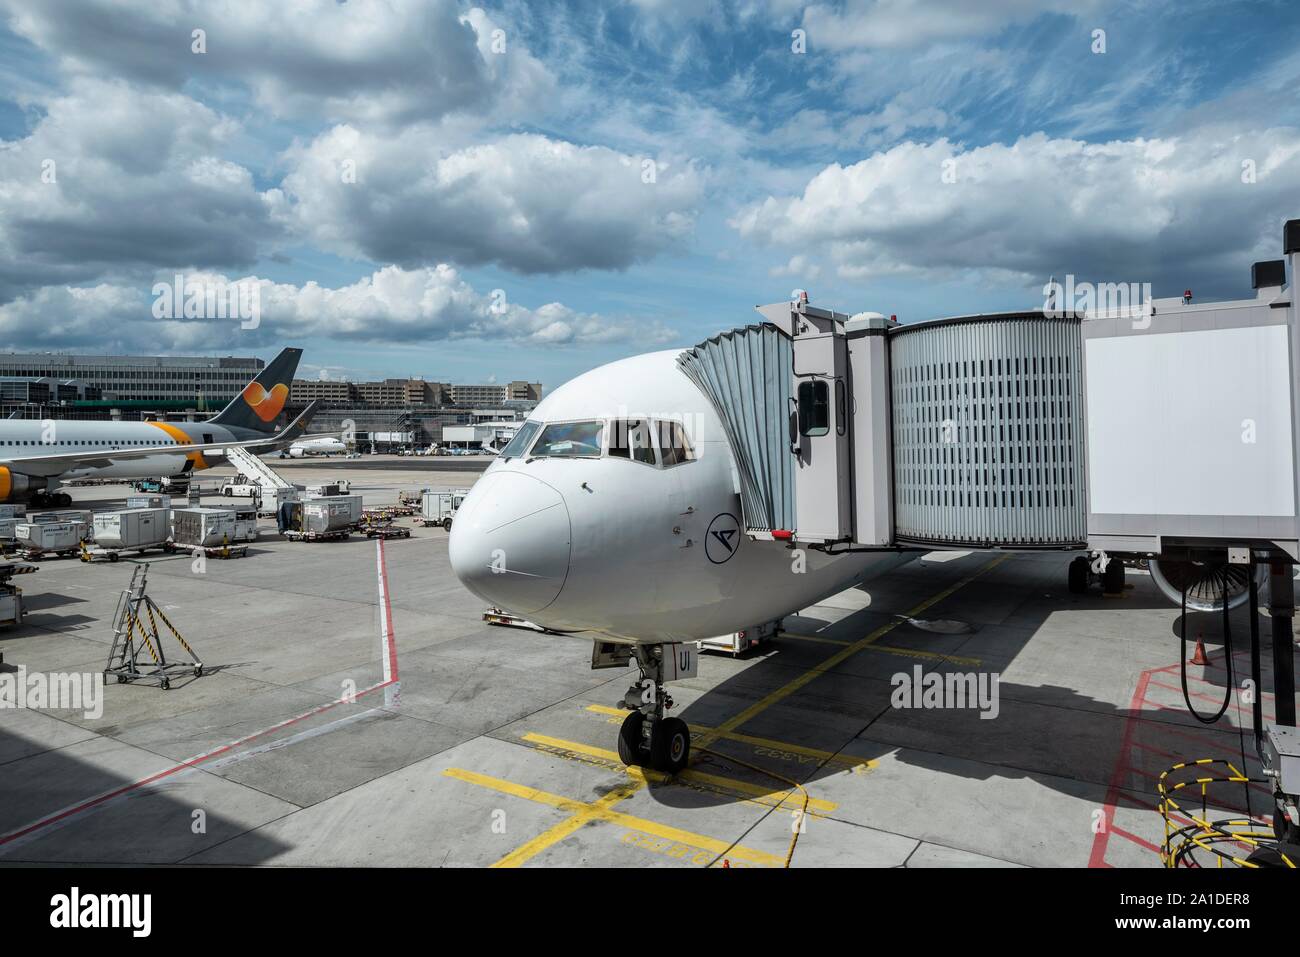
325	445
36	455
615	510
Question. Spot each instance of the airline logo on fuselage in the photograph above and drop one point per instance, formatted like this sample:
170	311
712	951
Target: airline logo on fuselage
722	539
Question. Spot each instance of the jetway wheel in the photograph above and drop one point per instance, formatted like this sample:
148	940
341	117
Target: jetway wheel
1112	579
1206	582
1078	576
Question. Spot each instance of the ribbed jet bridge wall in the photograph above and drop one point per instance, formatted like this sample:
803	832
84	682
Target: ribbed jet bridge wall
988	431
746	375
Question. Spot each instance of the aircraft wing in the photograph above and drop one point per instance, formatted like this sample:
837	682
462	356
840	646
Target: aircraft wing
43	466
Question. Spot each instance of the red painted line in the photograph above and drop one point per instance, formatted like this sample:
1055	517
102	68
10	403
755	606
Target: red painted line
1129	835
1099	841
1213	699
185	765
199	759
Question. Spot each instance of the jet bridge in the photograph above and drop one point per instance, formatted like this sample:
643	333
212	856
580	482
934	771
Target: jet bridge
1161	427
1165	431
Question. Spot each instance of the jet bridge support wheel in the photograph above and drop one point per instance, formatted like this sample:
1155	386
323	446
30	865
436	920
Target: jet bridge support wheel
1078	576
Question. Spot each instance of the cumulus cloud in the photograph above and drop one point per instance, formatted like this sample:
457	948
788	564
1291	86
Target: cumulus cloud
1129	210
114	178
526	202
389	61
391	305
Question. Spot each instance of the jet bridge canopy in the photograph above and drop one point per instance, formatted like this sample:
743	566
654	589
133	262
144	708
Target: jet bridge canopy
745	374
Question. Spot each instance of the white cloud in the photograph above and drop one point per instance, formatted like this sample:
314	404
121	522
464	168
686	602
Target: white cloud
391	305
115	178
893	24
1130	210
389	61
527	202
799	267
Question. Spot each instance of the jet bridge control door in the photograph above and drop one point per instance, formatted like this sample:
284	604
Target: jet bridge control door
823	481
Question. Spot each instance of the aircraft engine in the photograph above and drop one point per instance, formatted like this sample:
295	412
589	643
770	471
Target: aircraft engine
13	485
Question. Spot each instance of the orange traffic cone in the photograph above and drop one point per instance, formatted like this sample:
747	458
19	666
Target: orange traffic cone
1200	657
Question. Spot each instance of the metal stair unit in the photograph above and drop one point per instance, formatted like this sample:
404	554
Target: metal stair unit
257	471
135	634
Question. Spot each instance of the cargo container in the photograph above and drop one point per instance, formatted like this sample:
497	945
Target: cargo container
328	517
203	527
132	528
148	501
10	511
245	522
336	487
63	538
7	527
273	498
331	512
83	515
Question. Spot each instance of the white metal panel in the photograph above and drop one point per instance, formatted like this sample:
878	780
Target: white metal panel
1190	423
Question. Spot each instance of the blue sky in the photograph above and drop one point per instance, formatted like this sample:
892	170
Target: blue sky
537	188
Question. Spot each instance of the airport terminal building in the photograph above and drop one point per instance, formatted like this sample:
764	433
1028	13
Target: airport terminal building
141	378
126	386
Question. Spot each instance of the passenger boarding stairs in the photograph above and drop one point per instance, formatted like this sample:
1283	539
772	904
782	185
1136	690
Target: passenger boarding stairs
257	471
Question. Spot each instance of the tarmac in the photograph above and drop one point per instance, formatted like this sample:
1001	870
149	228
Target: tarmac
356	710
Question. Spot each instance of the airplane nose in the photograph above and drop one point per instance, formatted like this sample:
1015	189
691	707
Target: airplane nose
510	542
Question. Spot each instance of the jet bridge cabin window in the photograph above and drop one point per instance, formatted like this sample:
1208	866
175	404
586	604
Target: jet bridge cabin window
814	407
632	439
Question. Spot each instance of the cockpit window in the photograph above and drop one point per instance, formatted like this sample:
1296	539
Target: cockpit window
571	439
519	444
674	447
632	439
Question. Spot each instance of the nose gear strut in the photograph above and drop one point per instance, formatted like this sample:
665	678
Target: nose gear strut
648	738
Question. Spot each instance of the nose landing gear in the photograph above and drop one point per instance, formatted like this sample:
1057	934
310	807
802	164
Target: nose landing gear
648	738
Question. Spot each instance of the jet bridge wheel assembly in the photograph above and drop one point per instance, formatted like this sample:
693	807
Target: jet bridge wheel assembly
1081	574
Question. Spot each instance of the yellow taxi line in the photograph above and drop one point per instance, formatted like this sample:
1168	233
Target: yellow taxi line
600	810
562	830
835	660
892	650
756	791
857	764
